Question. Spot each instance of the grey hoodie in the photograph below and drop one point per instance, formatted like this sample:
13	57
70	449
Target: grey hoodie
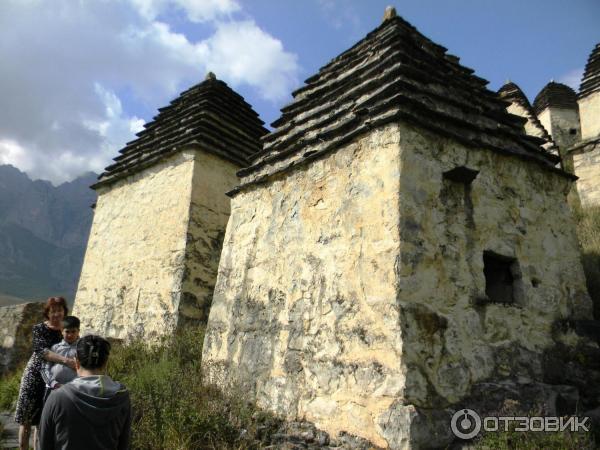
89	413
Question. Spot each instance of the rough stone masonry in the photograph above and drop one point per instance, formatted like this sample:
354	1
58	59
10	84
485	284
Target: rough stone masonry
398	250
153	252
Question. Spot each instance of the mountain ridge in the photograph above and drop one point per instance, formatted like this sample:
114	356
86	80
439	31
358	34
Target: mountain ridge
43	234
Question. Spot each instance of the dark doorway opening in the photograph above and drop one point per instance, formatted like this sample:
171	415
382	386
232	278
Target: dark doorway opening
500	277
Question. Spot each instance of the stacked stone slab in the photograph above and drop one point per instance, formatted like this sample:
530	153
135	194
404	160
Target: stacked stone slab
519	105
154	246
16	322
400	248
586	153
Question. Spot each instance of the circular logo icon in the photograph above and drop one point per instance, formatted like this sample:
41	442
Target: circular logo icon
465	424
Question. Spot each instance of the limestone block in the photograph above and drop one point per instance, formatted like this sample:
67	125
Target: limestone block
353	293
151	258
587	168
16	322
589	111
530	126
563	125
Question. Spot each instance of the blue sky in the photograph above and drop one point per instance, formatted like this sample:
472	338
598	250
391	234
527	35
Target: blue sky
79	78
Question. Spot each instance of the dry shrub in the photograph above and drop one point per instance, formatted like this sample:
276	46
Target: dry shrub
174	408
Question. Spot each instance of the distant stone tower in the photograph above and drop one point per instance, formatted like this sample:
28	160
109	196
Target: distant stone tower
586	154
589	97
398	250
153	252
520	106
557	109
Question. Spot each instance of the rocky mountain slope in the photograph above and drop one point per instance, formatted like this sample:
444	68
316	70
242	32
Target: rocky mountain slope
43	234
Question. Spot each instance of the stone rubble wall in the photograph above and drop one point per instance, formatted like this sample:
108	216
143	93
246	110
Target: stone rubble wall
131	276
304	311
454	337
587	167
209	213
530	127
589	111
563	125
153	252
351	292
16	322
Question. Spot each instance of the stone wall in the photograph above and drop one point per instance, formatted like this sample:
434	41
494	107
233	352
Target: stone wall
563	125
455	335
209	213
305	303
530	126
586	161
16	322
140	255
589	111
352	293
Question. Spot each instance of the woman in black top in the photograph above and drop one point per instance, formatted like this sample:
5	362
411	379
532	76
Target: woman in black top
31	392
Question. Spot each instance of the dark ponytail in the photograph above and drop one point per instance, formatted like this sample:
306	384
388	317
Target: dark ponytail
92	351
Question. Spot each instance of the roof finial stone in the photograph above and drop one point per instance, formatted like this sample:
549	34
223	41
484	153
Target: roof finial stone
390	13
210	76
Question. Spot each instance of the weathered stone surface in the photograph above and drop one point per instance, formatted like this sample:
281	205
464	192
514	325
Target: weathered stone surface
153	250
16	322
589	110
586	163
351	291
589	96
520	106
562	124
305	305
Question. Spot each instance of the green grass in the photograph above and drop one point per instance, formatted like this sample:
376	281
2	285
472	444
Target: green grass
513	440
588	231
174	409
9	389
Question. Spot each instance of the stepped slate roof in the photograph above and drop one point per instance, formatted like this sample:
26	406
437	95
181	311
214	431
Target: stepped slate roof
209	114
393	74
590	82
555	95
511	92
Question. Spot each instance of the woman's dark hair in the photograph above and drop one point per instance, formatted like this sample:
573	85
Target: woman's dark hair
55	301
92	351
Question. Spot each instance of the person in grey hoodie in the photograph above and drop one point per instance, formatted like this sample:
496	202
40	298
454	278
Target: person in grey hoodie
92	412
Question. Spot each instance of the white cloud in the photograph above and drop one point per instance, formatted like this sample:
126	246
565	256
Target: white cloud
243	53
572	78
66	67
195	10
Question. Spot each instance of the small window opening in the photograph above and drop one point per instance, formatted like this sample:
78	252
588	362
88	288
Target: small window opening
572	131
499	277
461	174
